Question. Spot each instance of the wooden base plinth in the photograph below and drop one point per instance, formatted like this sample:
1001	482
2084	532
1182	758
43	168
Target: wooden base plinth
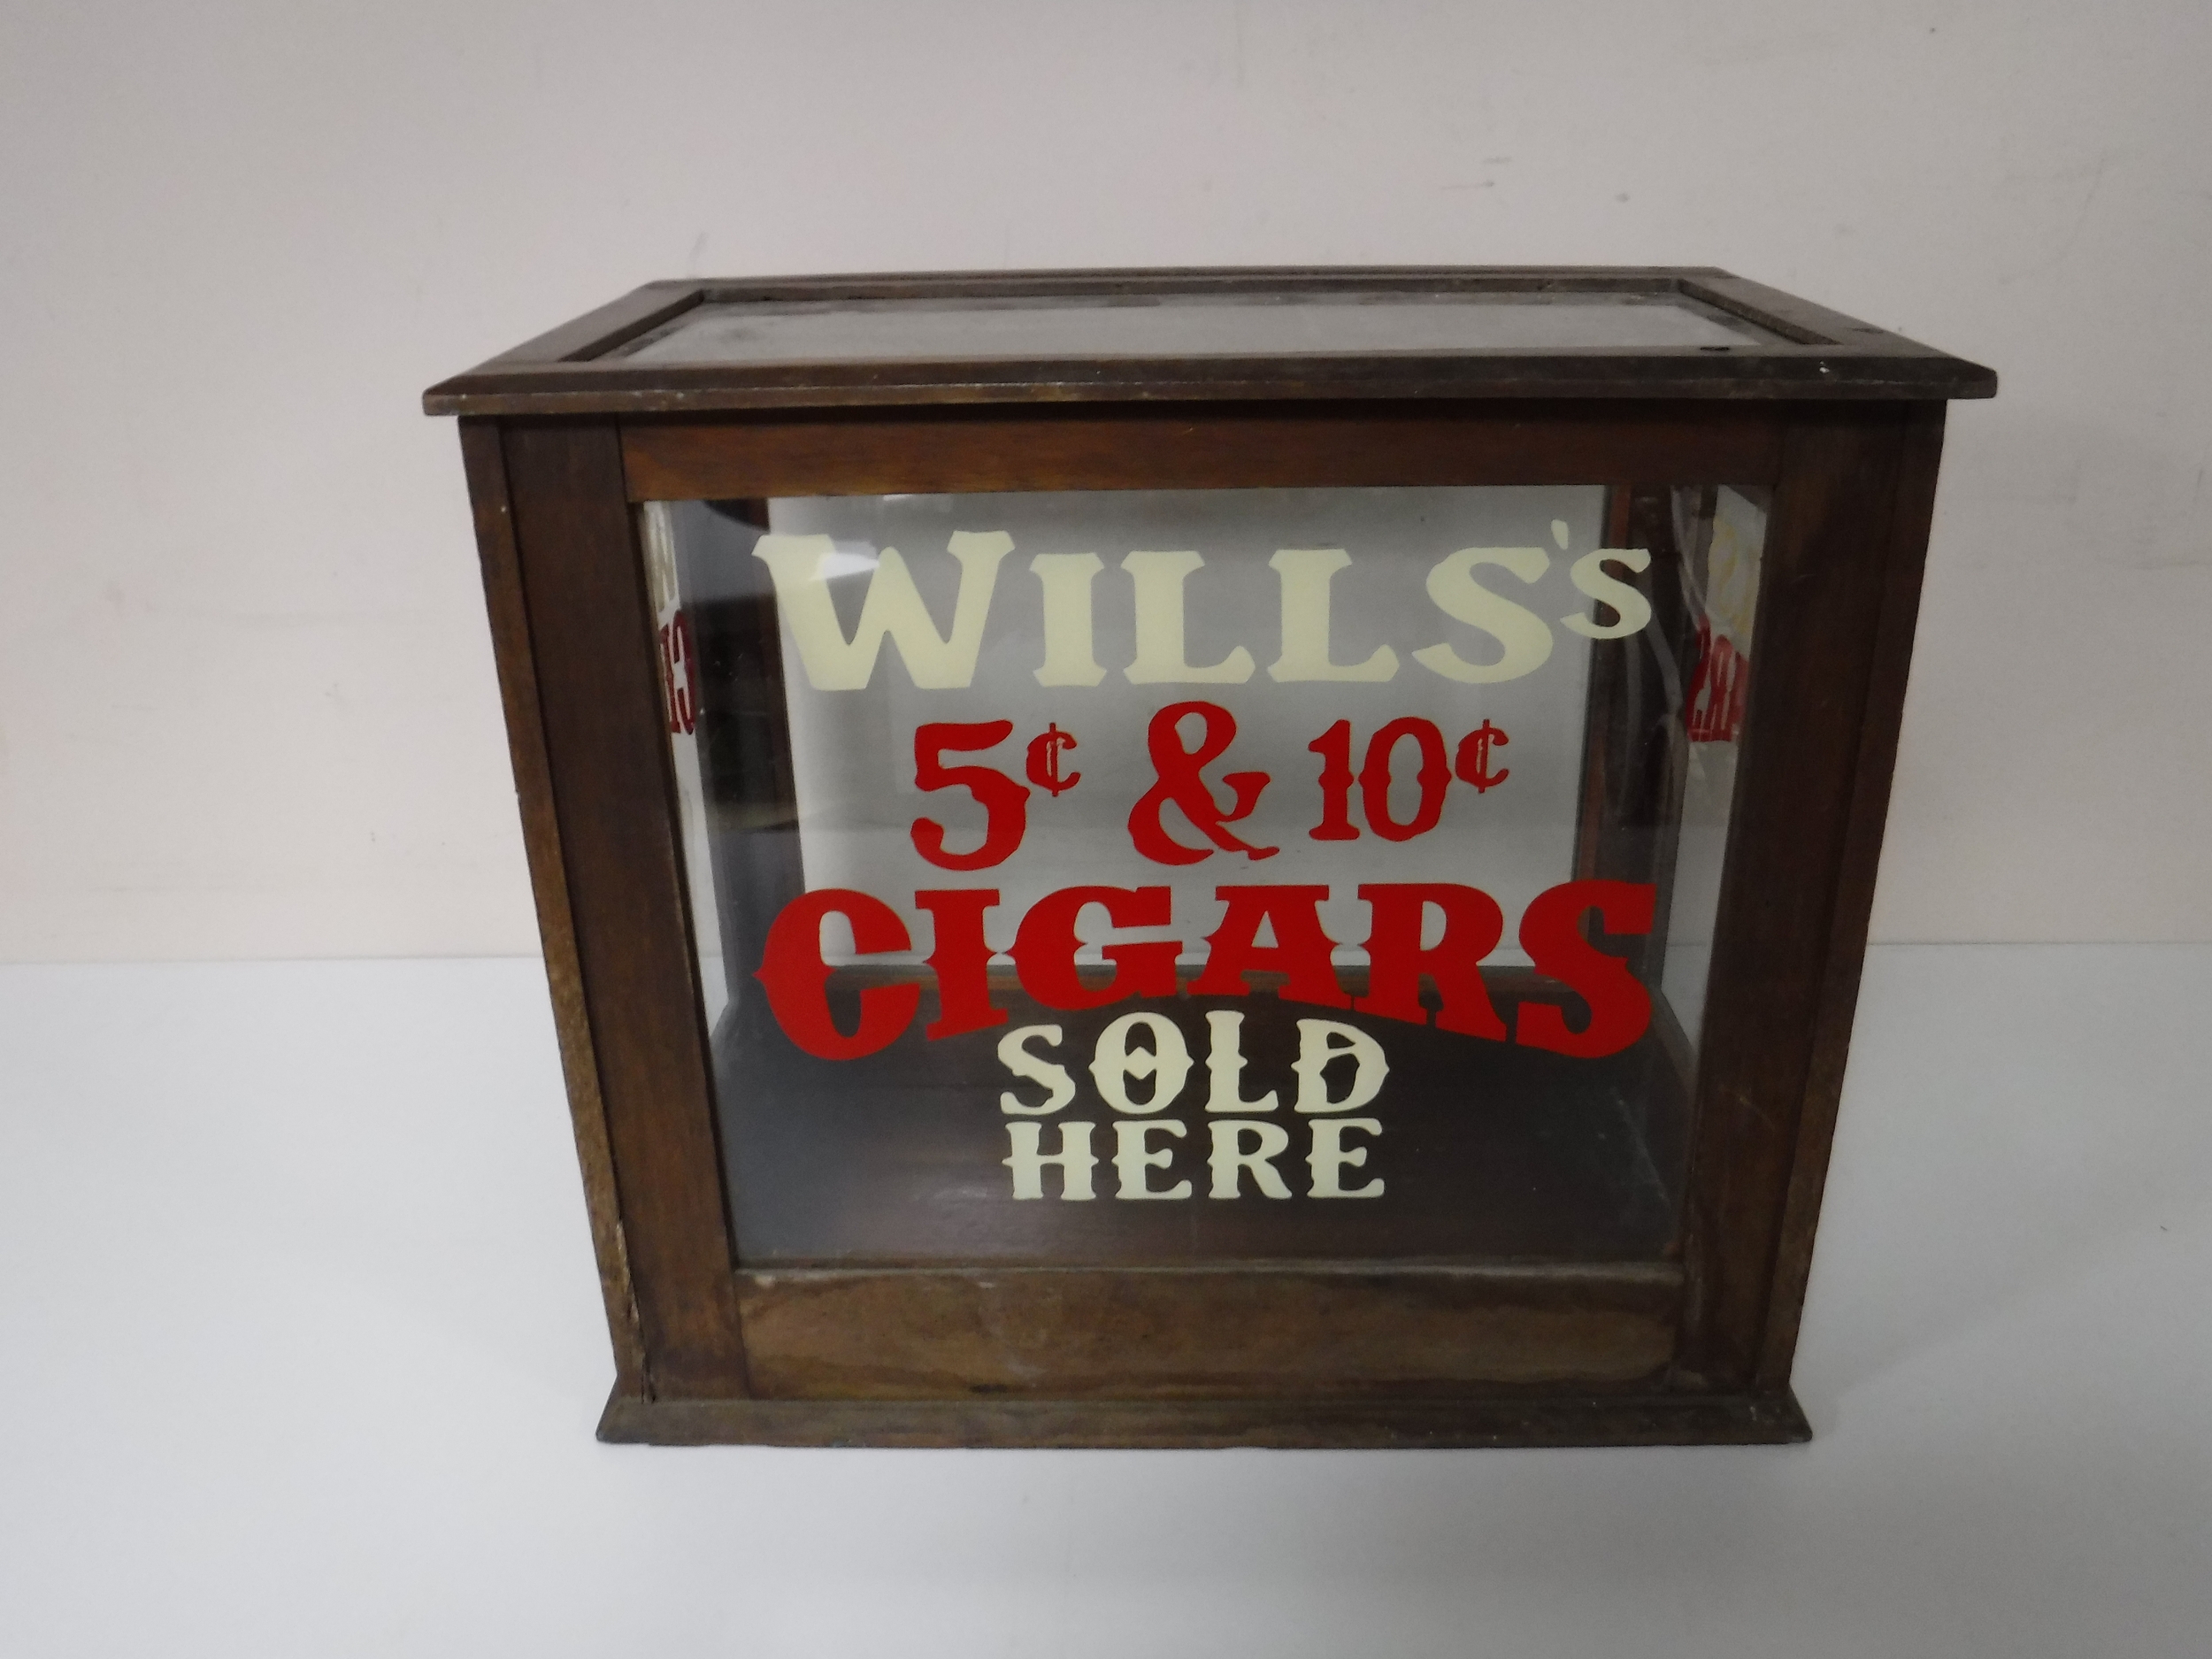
1586	1420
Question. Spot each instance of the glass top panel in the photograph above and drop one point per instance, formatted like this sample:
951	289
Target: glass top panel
1183	325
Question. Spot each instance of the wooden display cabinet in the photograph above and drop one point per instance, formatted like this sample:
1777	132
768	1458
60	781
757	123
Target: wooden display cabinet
1205	857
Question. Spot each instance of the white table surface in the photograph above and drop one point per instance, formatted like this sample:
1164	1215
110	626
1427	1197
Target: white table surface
301	1351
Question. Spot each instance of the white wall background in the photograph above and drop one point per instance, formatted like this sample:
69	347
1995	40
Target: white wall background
246	698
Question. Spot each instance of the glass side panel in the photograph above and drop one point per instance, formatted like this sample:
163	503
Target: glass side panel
1170	877
773	331
1721	532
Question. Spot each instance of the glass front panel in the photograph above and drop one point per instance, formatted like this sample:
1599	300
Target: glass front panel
1184	876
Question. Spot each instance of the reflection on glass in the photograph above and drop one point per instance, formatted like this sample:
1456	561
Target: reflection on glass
1205	875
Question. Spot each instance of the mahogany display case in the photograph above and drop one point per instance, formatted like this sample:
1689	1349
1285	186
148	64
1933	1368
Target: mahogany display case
1205	857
